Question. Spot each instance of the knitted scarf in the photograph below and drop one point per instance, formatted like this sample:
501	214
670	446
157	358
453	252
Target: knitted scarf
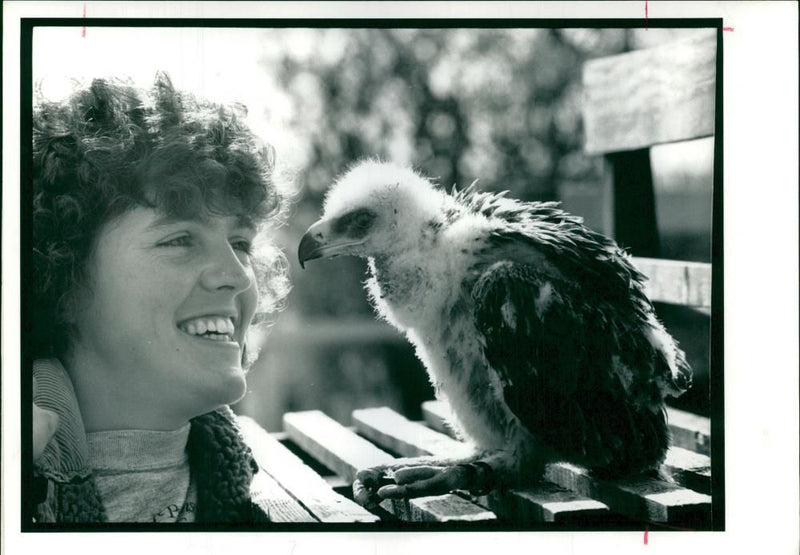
222	465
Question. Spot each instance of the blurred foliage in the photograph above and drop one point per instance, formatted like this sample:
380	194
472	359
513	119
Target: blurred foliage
498	105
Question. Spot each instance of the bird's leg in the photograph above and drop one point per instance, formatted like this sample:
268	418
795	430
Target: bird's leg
419	477
371	480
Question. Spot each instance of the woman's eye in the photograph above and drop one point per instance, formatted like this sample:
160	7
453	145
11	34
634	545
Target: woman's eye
243	246
180	241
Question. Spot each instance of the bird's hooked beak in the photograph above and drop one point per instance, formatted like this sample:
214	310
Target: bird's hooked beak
312	244
321	240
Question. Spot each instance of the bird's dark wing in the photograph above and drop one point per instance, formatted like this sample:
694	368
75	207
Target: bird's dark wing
576	367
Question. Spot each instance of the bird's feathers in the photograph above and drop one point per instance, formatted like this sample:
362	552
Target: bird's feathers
531	324
577	377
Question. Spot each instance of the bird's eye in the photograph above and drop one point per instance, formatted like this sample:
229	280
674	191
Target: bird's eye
356	223
363	219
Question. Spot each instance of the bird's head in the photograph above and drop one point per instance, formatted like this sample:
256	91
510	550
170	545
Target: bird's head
374	209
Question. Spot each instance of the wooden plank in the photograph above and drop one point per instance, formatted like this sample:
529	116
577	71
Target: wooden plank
541	502
690	469
305	485
344	452
676	282
652	96
690	431
545	502
332	444
276	501
438	508
390	430
640	498
651	499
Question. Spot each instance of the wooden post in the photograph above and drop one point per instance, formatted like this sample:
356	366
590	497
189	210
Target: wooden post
635	225
633	101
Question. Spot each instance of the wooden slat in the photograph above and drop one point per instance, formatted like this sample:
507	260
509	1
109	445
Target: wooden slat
654	500
545	502
676	282
690	469
345	453
641	498
690	431
305	485
438	508
542	502
276	502
646	97
332	444
390	430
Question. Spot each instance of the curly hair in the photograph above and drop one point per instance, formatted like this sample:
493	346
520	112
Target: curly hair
112	147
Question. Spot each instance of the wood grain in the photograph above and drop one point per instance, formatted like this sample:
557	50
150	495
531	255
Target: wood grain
391	430
638	498
543	502
690	469
277	502
305	485
649	499
345	453
646	97
332	444
676	282
690	431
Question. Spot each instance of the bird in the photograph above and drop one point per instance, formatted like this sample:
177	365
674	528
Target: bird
535	329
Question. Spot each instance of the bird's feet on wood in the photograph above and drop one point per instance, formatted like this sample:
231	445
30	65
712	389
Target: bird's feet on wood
373	485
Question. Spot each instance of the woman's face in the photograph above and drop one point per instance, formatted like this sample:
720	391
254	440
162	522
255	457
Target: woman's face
163	329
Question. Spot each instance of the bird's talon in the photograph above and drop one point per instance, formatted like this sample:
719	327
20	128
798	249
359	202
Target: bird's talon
372	478
364	496
386	478
392	492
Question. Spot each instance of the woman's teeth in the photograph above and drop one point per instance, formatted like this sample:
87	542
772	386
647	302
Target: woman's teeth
214	328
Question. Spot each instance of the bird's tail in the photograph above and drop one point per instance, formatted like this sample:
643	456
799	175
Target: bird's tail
672	371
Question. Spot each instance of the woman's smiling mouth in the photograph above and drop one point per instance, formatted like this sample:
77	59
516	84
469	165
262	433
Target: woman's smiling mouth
212	328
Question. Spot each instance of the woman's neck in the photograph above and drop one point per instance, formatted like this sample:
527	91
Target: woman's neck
107	402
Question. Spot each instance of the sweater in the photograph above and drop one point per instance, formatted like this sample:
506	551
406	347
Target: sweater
143	475
221	463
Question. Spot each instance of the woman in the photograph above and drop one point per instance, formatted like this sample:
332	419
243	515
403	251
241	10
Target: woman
148	209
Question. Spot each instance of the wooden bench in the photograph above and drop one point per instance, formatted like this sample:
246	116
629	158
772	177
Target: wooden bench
311	465
630	105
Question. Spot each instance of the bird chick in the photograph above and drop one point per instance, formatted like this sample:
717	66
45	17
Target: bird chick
535	329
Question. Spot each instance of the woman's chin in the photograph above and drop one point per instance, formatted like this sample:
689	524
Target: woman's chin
227	390
235	387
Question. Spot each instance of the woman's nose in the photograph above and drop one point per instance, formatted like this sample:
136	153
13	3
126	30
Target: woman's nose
225	271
